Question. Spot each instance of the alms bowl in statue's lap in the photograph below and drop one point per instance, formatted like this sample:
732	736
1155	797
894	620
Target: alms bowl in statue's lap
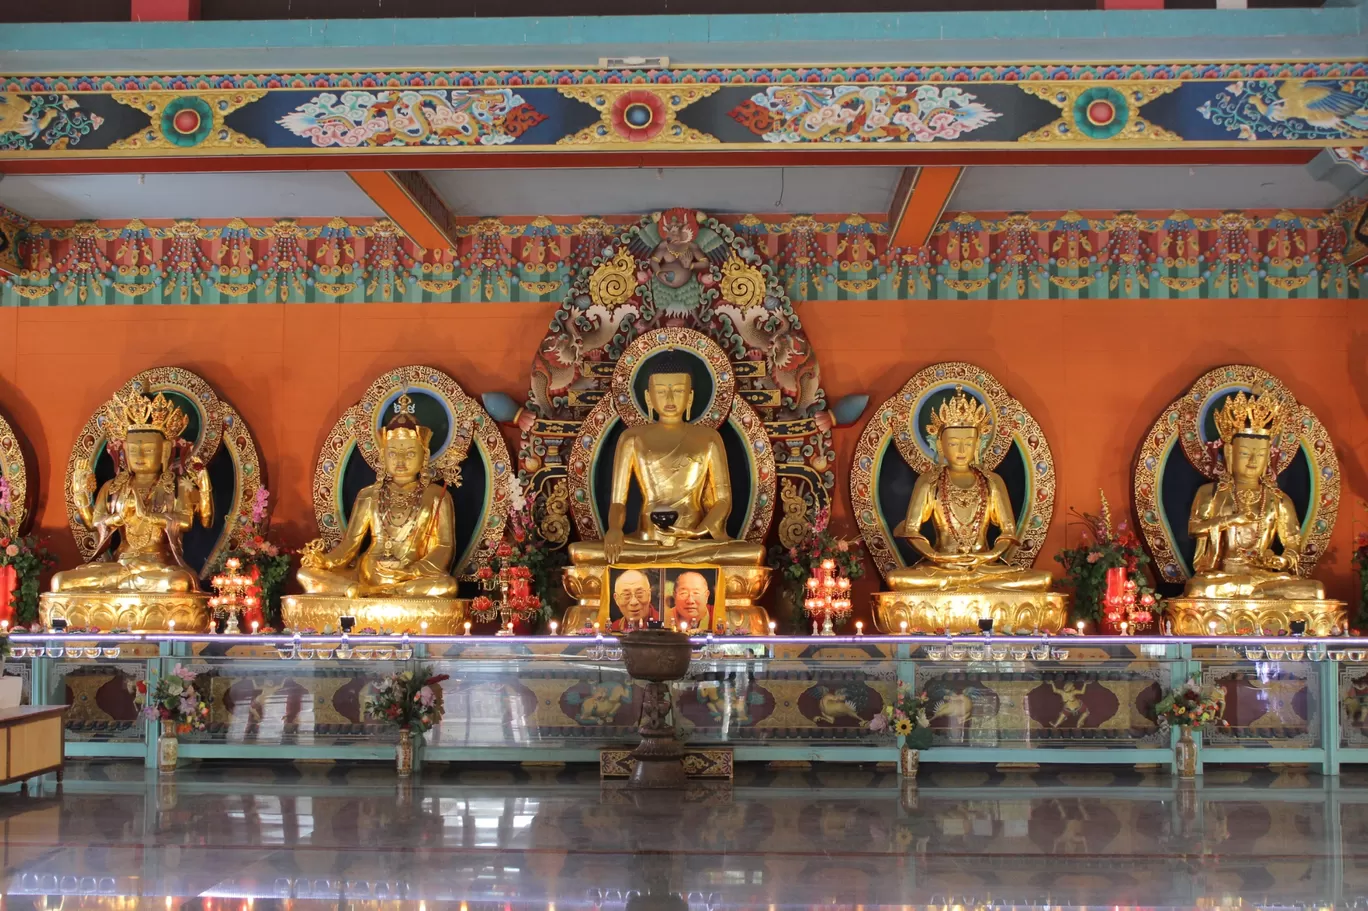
139	612
443	616
1254	616
960	611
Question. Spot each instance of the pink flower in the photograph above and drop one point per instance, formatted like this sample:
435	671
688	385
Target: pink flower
1095	556
426	696
185	674
878	723
843	546
12	550
259	504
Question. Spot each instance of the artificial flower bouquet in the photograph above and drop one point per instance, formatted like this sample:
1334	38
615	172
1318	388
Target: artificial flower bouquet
1192	705
906	717
1104	572
178	700
409	700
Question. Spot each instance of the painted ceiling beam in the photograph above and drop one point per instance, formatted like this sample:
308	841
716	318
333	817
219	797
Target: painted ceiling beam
919	202
412	204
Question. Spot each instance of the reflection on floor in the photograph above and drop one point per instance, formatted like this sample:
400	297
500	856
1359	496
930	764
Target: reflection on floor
332	836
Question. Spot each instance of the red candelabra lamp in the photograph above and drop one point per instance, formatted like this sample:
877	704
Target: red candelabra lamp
1125	609
828	597
232	592
516	601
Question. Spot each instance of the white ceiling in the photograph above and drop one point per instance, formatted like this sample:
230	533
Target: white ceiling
293	194
1026	188
624	191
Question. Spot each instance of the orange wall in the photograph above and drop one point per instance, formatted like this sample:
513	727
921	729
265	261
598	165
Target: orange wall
1094	373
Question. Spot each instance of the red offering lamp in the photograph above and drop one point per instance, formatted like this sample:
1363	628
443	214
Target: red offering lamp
232	592
828	597
1123	605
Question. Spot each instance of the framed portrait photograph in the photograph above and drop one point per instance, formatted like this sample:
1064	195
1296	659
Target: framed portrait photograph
636	595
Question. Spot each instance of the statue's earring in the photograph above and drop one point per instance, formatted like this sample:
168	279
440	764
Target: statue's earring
650	410
688	409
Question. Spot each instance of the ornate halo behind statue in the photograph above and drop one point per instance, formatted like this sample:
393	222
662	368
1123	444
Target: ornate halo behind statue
1187	426
1013	430
722	407
896	448
221	440
14	466
462	432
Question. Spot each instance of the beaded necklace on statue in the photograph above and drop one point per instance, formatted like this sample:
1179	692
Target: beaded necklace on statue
398	507
954	499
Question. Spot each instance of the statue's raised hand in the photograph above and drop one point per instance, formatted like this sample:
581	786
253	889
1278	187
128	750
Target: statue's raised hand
314	555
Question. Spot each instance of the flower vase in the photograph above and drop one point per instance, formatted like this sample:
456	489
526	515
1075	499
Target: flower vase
403	753
909	760
168	748
1185	754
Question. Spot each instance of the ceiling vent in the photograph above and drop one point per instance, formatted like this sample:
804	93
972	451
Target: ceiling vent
634	63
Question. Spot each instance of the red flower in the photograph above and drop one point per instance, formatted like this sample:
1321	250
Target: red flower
505	549
638	115
142	686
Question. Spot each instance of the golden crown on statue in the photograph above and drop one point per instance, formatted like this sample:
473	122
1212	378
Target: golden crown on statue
141	412
1249	415
959	410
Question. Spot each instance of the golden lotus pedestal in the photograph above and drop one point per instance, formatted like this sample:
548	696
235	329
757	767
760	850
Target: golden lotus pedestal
1252	616
443	616
742	586
960	612
140	612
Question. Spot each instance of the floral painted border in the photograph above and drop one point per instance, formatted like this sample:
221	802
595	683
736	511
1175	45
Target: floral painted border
988	256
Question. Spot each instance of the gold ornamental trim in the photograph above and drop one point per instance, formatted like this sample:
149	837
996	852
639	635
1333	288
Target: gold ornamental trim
359	428
1128	95
33	292
1180	428
332	289
663	102
614	282
443	616
14	465
136	611
210	136
960	612
891	425
1254	616
219	425
743	284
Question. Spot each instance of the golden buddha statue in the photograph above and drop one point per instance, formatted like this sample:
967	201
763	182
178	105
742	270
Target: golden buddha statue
682	473
1237	519
681	469
400	537
151	501
961	578
962	500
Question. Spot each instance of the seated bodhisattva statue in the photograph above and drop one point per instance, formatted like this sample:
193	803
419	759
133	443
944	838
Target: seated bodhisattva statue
962	500
400	537
1237	519
150	502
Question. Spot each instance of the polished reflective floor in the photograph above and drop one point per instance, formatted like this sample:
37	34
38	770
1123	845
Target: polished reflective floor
333	836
